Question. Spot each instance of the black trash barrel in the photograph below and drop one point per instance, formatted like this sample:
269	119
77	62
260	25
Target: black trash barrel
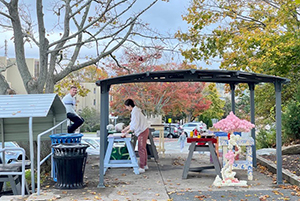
70	160
62	138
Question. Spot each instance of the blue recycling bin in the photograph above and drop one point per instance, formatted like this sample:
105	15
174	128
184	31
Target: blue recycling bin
63	138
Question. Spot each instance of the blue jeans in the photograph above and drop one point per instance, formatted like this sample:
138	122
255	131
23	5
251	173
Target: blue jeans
76	122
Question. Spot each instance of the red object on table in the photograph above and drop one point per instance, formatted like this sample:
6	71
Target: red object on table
190	140
228	136
195	132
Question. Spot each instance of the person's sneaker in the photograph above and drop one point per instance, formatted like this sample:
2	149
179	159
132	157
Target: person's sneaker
141	170
146	167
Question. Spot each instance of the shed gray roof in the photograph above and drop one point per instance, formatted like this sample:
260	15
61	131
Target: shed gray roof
193	75
28	105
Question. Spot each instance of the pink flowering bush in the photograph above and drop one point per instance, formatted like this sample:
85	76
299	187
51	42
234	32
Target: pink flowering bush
233	124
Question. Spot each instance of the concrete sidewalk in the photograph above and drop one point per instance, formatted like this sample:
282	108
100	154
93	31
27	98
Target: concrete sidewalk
163	181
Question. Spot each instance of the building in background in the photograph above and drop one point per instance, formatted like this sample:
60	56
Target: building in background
13	76
14	80
92	100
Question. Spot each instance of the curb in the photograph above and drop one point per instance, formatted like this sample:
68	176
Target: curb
272	167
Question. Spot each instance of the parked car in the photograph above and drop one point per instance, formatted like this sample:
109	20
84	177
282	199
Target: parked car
11	155
188	127
177	127
94	142
173	133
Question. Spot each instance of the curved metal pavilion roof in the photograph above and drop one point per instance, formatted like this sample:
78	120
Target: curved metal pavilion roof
193	75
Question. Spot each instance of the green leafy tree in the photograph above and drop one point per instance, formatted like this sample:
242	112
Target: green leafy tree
243	106
290	118
266	138
227	107
91	119
257	36
215	110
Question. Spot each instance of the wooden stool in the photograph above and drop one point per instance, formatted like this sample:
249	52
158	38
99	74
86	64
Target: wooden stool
193	147
112	138
161	143
240	164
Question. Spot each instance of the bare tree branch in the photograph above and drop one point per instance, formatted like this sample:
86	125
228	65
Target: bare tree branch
104	26
4	68
5	3
69	69
5	15
118	64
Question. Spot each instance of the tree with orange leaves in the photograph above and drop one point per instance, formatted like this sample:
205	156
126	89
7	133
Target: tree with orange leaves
157	98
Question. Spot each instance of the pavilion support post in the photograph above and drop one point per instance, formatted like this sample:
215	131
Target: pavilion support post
278	131
232	88
252	117
104	119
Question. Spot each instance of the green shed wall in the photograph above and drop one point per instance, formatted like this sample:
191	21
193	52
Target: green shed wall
17	129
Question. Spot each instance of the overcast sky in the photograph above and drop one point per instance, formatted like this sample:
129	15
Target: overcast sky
163	16
166	17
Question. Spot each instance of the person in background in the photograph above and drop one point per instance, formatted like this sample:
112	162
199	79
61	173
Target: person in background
181	141
139	126
70	102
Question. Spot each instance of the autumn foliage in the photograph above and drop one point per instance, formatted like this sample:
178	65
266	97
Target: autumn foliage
88	74
159	97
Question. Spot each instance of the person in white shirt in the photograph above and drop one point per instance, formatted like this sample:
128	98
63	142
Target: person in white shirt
139	126
70	102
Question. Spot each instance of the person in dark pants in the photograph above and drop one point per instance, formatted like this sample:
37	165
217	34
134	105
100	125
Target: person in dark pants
70	102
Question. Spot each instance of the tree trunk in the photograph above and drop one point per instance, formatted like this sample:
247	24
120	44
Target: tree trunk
29	83
3	85
43	48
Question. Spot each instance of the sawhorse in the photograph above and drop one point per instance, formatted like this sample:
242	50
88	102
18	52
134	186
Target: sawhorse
132	162
193	147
